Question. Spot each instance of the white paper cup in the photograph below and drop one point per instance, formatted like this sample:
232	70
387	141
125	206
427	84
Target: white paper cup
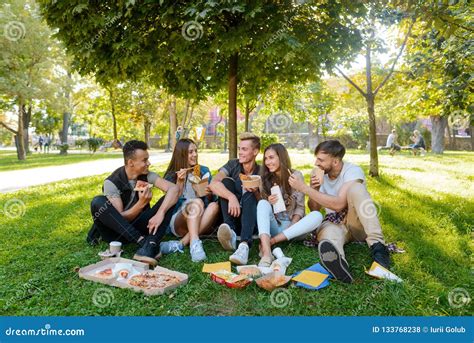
115	247
279	206
277	252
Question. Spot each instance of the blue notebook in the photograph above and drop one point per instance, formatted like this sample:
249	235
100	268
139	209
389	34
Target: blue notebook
315	268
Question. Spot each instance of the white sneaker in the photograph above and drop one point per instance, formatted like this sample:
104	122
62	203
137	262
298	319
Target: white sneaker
241	255
227	237
197	251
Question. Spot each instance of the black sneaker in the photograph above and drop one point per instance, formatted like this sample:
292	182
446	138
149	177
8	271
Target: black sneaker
334	262
380	254
93	237
147	252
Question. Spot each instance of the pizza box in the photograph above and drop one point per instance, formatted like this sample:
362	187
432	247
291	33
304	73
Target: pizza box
134	267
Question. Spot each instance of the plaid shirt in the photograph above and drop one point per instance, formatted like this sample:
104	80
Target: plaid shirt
336	217
333	217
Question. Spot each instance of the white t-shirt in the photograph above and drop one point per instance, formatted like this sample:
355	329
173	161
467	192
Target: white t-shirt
390	140
349	172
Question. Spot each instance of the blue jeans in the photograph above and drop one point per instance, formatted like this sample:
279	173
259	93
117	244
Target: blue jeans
246	224
266	221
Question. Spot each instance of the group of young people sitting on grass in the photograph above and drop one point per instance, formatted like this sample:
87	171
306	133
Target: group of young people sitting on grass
123	212
417	147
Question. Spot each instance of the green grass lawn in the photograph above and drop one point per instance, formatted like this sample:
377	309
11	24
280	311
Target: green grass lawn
426	207
9	160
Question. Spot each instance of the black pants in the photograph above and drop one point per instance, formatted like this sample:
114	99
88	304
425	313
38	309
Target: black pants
396	147
113	227
246	224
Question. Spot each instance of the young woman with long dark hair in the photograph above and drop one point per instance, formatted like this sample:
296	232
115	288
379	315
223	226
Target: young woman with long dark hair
290	223
193	215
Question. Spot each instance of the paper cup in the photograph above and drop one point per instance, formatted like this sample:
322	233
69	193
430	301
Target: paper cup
200	188
115	247
319	173
279	206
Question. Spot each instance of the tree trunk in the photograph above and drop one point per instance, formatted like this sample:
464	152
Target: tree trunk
233	66
65	129
15	138
147	128
374	158
114	119
454	139
437	133
370	98
247	115
185	117
26	126
324	128
66	116
20	133
173	123
313	136
472	135
191	112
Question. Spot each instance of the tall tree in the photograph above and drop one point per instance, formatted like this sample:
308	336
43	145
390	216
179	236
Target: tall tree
196	48
440	65
26	63
147	106
378	16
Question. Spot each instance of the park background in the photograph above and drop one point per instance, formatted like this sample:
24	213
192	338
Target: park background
86	77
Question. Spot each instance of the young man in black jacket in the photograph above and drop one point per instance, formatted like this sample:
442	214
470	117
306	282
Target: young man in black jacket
123	212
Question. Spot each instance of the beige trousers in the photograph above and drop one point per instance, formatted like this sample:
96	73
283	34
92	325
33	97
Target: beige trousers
361	223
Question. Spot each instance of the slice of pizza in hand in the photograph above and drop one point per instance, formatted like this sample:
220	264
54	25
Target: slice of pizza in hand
142	186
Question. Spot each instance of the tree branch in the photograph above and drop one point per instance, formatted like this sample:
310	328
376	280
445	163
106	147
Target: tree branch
457	24
351	82
8	128
396	59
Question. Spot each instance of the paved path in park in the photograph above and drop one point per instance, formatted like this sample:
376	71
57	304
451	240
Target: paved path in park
11	181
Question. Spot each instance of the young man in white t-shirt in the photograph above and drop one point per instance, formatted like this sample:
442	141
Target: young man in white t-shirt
392	143
350	212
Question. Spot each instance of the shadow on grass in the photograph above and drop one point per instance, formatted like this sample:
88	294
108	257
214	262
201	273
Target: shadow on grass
436	235
46	245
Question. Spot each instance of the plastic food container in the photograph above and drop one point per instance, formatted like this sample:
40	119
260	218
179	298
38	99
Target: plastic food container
252	181
230	280
200	188
272	281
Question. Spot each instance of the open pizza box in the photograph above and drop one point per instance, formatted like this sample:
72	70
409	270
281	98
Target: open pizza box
134	268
